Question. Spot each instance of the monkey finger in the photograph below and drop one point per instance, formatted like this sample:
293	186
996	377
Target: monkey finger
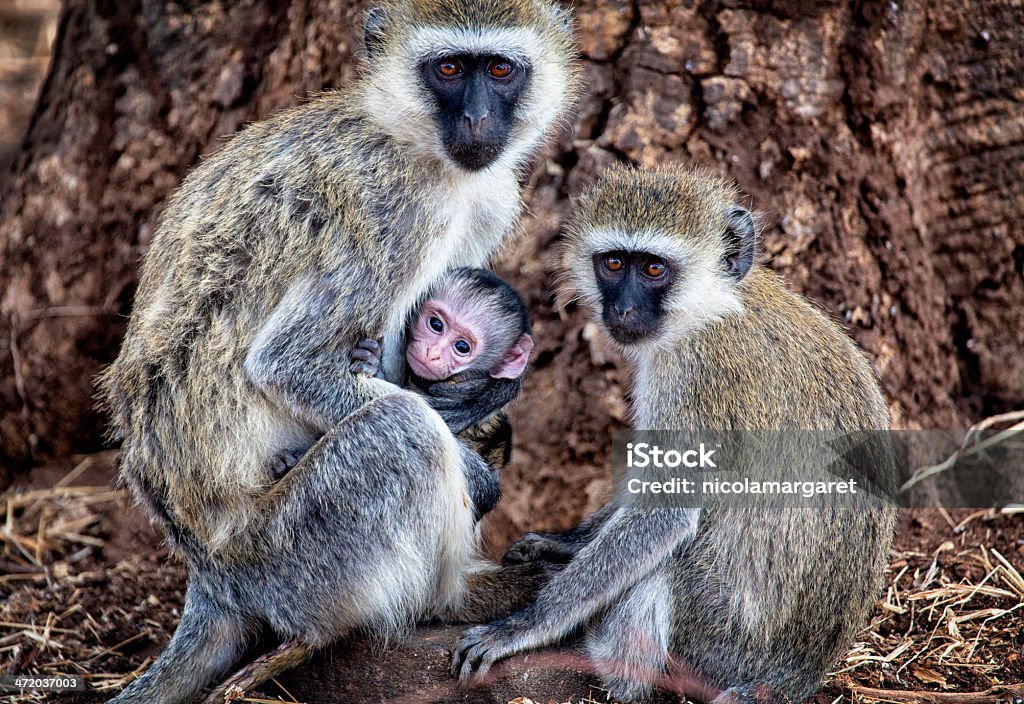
363	368
465	651
277	467
369	345
360	353
458	657
469	670
455	666
484	664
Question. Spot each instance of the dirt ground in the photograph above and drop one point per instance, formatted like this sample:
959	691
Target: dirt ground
87	588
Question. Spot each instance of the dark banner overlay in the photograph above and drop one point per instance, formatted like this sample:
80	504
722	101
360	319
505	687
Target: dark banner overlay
807	469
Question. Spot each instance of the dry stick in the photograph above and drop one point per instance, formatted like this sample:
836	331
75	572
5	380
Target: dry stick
975	446
994	695
283	657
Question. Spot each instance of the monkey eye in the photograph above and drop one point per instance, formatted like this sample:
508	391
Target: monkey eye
500	69
462	347
449	68
655	268
435	324
613	262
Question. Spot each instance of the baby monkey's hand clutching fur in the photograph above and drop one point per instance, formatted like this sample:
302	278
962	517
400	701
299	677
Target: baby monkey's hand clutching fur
365	356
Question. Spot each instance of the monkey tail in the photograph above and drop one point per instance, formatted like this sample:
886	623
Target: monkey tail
207	642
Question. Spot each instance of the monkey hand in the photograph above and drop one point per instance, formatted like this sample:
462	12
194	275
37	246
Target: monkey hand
365	358
533	547
480	647
281	463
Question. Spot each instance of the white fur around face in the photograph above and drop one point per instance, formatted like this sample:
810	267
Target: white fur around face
476	211
701	293
400	103
518	44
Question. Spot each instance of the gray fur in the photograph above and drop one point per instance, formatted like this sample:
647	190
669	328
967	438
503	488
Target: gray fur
754	605
309	231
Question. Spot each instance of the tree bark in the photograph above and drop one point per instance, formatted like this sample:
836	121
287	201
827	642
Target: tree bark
882	141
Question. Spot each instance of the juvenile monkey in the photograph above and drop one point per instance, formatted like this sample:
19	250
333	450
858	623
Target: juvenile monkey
467	352
304	233
737	605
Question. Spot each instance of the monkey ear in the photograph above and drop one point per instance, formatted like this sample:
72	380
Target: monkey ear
373	31
514	362
740	242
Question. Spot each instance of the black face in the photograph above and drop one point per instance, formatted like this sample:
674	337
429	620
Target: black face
633	287
476	98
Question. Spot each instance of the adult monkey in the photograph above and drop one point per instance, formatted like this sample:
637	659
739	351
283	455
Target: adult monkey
755	602
305	233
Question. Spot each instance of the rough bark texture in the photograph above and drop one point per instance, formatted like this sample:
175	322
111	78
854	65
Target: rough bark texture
883	142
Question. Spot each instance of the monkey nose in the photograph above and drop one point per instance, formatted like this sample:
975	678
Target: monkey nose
477	120
623	311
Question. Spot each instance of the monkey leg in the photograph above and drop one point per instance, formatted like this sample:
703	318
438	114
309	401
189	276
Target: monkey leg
628	644
209	638
373	528
283	657
630	546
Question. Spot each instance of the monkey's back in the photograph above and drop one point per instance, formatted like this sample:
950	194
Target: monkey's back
279	199
775	594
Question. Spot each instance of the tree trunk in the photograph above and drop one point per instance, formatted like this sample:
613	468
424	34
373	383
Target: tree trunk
883	142
137	91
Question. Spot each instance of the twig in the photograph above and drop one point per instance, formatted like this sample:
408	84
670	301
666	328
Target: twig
995	695
976	446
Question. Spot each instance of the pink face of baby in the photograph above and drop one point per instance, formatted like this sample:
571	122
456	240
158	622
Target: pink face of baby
445	340
448	338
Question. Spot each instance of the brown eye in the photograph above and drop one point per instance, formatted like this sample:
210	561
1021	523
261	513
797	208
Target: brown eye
655	268
613	263
500	69
449	69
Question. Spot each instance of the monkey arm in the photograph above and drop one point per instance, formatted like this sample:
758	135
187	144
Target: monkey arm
467	399
483	482
491	440
629	546
297	358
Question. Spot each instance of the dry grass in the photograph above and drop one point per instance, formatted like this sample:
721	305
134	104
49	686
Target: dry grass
934	628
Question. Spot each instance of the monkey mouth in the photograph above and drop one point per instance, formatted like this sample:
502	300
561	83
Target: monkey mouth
425	372
474	155
629	334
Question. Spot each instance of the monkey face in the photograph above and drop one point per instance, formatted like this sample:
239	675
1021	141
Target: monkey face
444	341
633	286
476	97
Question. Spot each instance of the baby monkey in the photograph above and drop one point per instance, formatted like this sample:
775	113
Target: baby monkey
467	352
